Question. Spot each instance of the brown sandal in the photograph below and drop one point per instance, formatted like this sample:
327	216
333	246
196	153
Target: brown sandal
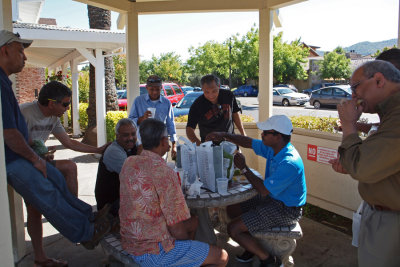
51	263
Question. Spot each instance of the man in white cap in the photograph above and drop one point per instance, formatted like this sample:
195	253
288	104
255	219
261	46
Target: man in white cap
39	183
280	196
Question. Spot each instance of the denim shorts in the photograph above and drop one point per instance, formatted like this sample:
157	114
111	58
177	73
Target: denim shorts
186	253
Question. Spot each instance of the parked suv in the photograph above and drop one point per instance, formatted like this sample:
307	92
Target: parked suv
330	96
171	91
246	90
316	87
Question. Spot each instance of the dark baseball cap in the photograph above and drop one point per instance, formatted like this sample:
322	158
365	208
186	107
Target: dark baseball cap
7	37
154	80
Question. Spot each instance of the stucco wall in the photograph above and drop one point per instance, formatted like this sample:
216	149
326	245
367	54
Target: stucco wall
327	189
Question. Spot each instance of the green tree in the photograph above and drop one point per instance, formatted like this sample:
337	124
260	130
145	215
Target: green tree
168	66
335	65
83	82
120	70
145	70
244	55
288	60
210	58
383	50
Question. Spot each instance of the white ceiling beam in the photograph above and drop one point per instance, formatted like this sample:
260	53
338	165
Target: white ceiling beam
73	55
115	5
181	6
88	55
275	4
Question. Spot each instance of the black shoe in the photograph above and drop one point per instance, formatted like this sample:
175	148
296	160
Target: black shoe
247	256
102	227
271	261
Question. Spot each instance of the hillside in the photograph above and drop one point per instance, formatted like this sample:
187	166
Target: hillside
367	48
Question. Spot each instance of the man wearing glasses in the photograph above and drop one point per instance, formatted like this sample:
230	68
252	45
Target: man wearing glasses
153	102
281	194
374	162
214	111
39	183
42	118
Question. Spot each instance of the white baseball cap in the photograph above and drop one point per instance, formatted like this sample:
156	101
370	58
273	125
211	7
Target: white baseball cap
279	123
7	37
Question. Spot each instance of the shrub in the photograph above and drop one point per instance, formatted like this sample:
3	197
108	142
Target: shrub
112	119
244	118
83	117
322	124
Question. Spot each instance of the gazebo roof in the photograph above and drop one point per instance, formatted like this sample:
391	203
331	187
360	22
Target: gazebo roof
53	46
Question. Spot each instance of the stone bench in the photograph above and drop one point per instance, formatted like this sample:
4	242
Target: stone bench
112	247
281	242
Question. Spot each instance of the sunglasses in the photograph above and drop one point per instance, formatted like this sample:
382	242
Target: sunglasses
153	81
64	104
274	133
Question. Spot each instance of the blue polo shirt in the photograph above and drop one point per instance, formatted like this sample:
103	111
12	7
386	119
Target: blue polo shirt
11	114
164	112
284	174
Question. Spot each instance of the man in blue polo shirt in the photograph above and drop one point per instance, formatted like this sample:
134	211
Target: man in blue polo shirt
38	182
280	196
161	106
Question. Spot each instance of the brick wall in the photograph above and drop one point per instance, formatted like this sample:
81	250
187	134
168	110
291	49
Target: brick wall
27	81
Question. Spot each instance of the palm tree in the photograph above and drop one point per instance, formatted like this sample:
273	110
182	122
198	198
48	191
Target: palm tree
100	19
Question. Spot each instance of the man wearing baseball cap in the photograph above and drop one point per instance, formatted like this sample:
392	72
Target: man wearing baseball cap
153	100
281	194
39	183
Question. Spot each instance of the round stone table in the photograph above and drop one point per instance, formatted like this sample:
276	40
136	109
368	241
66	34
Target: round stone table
237	193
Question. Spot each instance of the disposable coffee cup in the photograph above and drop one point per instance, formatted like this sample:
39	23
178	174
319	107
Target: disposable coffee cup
153	112
222	185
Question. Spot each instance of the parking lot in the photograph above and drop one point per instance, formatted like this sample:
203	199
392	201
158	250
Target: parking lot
250	107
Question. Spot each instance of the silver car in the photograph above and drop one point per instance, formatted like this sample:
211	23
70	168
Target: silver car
286	97
330	96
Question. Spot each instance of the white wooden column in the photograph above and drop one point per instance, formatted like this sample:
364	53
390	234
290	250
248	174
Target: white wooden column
76	130
64	72
132	57
265	64
6	241
100	99
398	29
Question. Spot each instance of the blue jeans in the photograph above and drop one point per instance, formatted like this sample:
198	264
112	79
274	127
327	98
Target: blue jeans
50	196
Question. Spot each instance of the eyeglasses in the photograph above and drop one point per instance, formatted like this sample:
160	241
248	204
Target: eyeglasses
150	80
354	86
64	104
274	133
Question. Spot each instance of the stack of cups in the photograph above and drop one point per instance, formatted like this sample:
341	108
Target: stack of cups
222	185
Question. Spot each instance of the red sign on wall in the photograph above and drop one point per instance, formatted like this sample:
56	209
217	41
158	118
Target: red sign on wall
321	154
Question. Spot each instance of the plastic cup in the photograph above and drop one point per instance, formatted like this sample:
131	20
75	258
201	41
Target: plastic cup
153	112
222	185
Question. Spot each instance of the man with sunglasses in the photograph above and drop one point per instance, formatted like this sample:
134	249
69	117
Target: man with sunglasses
281	194
214	111
374	161
42	117
162	106
39	183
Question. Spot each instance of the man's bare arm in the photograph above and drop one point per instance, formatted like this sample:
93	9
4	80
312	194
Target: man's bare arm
238	123
184	230
192	136
16	142
78	146
237	139
258	184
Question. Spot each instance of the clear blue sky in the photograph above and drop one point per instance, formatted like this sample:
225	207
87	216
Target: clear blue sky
323	23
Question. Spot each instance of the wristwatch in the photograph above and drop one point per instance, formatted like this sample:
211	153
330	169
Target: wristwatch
244	170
